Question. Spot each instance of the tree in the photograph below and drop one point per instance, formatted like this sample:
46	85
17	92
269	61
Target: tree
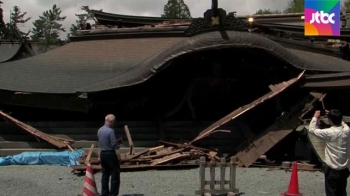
17	18
82	21
47	28
346	5
267	11
295	6
2	23
176	9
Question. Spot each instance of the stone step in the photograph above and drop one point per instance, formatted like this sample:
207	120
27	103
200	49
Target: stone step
8	130
76	144
9	152
77	137
131	124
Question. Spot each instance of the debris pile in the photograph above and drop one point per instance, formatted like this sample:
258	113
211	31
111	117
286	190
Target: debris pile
167	155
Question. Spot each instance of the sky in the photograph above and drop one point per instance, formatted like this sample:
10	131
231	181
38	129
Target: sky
34	8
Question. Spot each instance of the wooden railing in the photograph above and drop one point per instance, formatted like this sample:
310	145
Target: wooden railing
225	186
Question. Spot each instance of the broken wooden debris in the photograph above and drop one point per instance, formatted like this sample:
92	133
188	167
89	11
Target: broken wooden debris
301	166
153	157
131	144
56	141
275	90
284	125
89	154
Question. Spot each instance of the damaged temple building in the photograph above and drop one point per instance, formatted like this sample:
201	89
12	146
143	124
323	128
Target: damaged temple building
236	85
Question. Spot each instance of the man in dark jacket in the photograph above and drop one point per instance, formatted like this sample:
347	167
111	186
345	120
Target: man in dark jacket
109	157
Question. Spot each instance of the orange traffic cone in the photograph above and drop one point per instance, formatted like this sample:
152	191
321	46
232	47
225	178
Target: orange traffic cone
293	189
89	188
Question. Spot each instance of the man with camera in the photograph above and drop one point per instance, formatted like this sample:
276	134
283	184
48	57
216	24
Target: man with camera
109	157
336	138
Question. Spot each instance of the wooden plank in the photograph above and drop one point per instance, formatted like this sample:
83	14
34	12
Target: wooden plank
89	154
156	148
202	163
222	173
169	158
212	175
165	150
301	166
51	139
131	144
138	154
163	155
273	134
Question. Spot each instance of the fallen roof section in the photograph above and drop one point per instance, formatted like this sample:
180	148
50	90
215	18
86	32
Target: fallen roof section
275	90
93	66
58	142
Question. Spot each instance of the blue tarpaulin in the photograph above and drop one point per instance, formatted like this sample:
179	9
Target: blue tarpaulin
65	158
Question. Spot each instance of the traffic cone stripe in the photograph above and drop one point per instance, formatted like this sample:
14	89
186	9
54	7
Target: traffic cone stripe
89	192
89	188
90	182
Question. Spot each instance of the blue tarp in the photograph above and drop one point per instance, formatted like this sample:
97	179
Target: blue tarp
65	158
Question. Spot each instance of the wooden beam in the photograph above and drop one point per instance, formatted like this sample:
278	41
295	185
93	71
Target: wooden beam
89	154
131	144
58	142
275	90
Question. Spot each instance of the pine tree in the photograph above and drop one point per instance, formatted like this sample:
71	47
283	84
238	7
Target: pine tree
82	21
17	18
2	23
267	11
47	28
176	9
295	6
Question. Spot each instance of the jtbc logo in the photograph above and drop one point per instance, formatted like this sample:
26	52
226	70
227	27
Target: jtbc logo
324	17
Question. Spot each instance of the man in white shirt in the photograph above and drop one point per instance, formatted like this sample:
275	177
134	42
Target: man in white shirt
336	152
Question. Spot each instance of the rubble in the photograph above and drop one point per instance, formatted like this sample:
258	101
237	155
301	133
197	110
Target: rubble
169	154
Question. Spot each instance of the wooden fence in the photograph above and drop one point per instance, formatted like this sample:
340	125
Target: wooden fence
227	187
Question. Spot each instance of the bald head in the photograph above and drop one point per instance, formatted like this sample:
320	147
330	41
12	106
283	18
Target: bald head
110	120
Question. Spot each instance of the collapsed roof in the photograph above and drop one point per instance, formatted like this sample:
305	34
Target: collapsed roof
98	60
92	66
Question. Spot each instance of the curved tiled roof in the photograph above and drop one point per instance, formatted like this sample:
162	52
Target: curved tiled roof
8	51
92	66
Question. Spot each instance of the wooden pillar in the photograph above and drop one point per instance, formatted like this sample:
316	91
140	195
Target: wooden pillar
202	163
214	4
233	173
222	177
212	175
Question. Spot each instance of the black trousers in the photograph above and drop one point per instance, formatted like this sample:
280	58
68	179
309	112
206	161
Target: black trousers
110	168
336	181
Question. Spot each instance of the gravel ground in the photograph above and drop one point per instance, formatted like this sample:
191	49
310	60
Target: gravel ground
59	181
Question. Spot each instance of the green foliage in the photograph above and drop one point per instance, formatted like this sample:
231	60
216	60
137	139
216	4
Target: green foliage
47	28
176	9
295	6
17	19
3	28
82	20
267	11
346	5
